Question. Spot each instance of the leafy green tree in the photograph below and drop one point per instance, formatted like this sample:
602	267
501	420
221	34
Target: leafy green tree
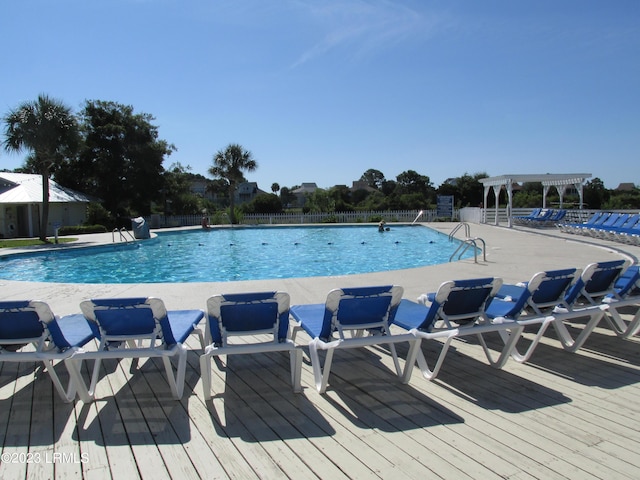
470	190
359	197
341	196
388	187
219	188
411	181
49	130
286	197
263	203
319	202
594	193
623	200
228	165
374	178
177	190
121	159
375	201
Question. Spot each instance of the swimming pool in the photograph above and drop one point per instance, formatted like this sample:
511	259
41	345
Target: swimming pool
245	253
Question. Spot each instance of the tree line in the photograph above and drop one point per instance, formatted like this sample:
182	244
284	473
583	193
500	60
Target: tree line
109	151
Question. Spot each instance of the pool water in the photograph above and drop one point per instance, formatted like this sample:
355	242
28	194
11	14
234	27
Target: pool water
245	253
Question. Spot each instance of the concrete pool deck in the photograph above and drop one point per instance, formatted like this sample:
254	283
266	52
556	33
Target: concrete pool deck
513	254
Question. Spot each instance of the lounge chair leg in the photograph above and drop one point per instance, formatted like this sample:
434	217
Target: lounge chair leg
396	362
295	357
510	342
619	326
320	373
67	395
205	373
176	381
424	367
74	366
515	353
567	341
414	348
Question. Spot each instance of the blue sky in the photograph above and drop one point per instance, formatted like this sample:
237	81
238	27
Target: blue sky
322	90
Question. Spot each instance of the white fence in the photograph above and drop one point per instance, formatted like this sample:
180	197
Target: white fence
405	216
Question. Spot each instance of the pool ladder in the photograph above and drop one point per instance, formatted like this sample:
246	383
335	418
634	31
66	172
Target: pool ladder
122	237
468	242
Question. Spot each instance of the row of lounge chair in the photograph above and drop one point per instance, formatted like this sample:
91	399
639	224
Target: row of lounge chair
619	227
541	217
349	318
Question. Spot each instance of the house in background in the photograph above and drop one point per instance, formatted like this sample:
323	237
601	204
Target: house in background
247	191
21	205
301	192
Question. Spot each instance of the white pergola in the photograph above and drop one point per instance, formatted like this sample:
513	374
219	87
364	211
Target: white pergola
558	180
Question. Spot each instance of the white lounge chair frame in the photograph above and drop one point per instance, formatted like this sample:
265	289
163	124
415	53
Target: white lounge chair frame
351	337
214	314
149	345
444	328
46	351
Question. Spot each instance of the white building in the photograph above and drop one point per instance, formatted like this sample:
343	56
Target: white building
21	205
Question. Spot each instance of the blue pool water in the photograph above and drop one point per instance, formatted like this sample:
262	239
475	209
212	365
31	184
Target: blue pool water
230	254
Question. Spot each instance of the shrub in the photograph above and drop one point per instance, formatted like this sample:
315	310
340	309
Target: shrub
80	229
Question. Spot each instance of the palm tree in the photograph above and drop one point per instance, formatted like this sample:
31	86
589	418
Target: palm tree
49	130
228	165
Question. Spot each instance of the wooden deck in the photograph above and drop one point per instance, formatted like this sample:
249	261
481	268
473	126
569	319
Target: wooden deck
561	416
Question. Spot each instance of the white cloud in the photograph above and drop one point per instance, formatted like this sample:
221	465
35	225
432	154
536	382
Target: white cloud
362	26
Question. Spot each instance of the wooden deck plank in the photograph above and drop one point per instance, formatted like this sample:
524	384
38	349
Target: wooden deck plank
498	422
455	446
384	448
107	424
16	440
565	440
41	435
231	404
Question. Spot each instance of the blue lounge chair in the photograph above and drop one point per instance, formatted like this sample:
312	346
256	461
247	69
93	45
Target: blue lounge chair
611	220
533	303
624	224
629	233
350	318
537	217
29	332
456	310
586	299
550	219
248	314
596	219
626	293
137	328
523	218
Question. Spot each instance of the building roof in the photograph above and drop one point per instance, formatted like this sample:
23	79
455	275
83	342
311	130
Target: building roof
27	188
626	187
309	187
546	179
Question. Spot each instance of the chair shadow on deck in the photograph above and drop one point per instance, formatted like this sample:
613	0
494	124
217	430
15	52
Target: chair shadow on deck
141	410
33	415
366	391
252	400
478	382
597	365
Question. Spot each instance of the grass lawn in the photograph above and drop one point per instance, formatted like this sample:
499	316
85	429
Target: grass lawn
26	242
